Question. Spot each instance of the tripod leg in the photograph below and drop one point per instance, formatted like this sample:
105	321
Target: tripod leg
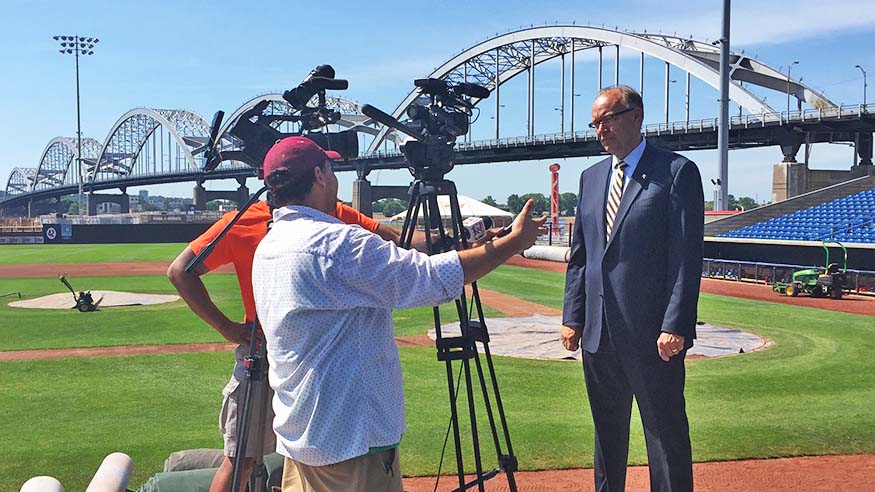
253	387
454	418
261	413
508	461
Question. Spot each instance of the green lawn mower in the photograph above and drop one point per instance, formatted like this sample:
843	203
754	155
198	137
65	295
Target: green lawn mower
84	301
831	281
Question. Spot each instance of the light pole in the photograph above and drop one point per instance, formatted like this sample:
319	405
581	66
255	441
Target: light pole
864	83
77	45
561	110
788	86
667	85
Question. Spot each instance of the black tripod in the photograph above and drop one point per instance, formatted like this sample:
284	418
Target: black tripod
423	198
253	413
254	409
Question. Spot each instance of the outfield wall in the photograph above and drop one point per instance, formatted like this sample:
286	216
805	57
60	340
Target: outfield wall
811	253
121	233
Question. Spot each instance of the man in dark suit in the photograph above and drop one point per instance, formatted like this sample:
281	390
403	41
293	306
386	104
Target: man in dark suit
631	291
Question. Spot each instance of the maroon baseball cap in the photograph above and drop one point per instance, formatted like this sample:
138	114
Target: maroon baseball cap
297	155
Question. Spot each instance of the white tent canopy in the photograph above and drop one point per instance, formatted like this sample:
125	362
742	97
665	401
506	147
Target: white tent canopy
468	207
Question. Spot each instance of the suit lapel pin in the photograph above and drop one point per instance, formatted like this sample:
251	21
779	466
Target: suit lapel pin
644	177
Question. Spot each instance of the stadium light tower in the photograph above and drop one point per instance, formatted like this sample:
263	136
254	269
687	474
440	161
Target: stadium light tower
77	45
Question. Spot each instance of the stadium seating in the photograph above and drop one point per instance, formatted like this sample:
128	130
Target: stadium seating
849	219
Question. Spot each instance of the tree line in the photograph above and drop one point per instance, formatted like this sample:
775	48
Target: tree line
567	204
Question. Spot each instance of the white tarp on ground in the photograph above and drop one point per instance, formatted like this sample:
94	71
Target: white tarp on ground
468	207
537	337
111	298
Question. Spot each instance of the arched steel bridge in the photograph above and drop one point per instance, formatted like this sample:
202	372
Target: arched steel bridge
152	146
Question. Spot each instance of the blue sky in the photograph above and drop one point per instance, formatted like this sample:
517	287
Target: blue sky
205	56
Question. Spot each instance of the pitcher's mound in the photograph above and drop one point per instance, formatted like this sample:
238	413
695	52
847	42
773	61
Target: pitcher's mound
111	298
537	337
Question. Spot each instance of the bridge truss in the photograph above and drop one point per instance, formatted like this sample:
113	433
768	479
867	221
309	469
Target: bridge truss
148	146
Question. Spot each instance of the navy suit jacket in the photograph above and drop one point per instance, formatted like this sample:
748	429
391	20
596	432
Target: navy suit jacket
646	279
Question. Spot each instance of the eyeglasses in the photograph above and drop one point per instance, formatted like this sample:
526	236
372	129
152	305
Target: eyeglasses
608	118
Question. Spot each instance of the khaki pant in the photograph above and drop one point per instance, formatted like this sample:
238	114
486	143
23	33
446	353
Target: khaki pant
371	473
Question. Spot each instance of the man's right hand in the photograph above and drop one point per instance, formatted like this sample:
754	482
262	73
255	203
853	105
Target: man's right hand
525	229
570	338
239	333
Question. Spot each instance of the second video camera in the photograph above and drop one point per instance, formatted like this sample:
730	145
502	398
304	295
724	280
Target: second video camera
257	131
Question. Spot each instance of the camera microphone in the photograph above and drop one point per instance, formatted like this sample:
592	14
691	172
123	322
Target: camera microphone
473	90
389	121
431	86
323	83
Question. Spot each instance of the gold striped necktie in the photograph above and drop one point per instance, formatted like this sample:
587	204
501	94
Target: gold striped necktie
614	197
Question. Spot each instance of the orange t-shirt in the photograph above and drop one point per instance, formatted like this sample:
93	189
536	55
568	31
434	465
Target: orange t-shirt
238	245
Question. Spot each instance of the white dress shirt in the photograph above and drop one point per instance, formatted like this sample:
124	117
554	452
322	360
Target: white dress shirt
324	294
631	161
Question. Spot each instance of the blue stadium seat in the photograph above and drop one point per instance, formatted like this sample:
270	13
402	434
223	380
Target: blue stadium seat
850	218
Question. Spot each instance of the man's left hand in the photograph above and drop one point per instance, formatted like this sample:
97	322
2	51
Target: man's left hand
669	345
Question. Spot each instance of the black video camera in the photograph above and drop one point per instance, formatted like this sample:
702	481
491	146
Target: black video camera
256	131
441	114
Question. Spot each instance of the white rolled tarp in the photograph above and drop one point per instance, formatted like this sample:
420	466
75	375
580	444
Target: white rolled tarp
550	253
42	484
113	474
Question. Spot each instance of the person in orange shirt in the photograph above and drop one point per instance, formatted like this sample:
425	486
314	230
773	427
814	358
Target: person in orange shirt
238	248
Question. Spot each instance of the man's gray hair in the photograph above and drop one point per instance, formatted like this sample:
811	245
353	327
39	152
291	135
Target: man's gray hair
629	96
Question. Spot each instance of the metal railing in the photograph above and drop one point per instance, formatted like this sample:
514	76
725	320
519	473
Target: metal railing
701	125
859	281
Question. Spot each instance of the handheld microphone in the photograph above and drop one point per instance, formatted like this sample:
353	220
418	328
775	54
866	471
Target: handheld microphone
474	228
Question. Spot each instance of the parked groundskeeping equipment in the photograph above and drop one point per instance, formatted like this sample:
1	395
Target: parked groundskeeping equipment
84	301
830	281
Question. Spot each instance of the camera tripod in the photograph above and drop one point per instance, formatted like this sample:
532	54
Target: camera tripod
423	198
254	409
253	413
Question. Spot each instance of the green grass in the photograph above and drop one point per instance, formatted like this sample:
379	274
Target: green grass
172	323
169	323
811	393
14	254
546	288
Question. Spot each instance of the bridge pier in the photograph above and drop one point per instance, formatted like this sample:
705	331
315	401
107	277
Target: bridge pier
123	200
789	179
201	196
364	195
864	148
361	196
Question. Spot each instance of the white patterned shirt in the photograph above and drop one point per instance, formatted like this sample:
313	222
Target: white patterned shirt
324	294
